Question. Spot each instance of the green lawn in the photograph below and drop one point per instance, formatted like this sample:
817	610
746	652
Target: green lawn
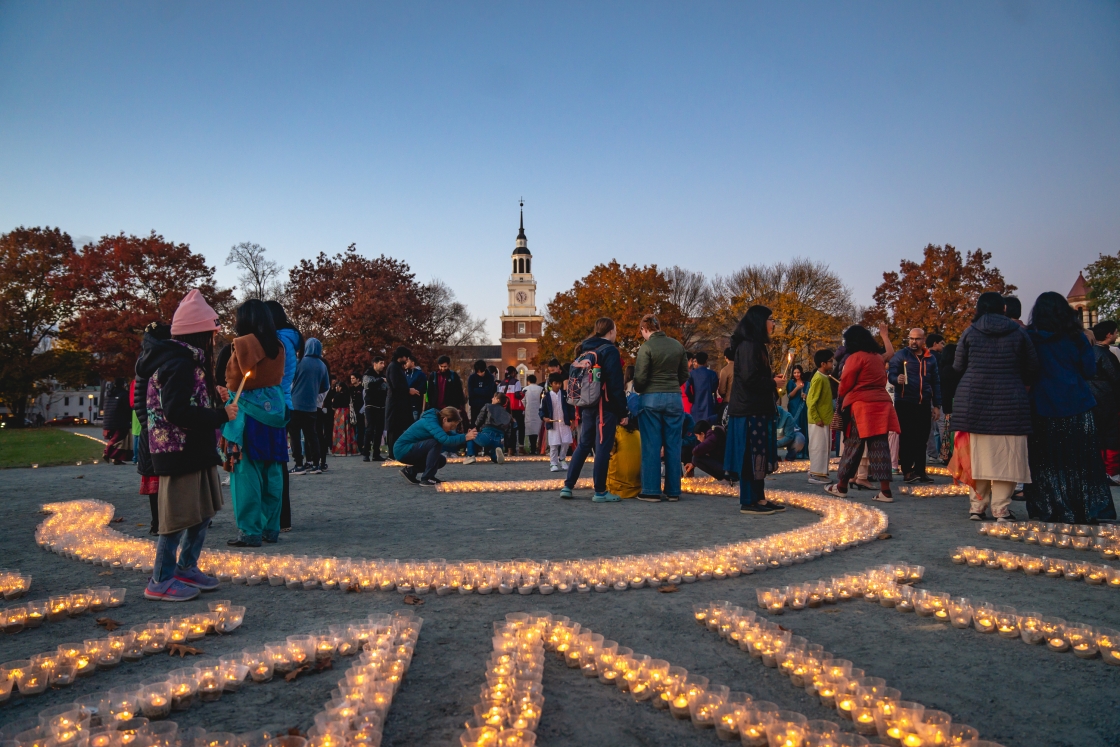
22	447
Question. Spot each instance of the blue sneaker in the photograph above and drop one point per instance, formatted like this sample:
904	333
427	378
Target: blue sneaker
605	498
565	492
170	590
196	578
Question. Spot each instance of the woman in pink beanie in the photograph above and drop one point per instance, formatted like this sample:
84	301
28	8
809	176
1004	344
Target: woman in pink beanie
183	417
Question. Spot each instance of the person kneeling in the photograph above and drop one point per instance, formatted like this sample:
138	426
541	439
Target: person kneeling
423	444
789	435
493	424
707	456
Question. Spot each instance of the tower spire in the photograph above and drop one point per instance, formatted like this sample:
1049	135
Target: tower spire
521	231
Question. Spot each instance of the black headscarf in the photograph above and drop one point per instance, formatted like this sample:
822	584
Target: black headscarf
752	326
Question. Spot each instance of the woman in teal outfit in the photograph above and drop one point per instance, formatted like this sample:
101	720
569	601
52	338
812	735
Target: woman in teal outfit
796	394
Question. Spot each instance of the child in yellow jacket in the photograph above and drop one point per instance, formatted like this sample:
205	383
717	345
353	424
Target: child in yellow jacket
818	404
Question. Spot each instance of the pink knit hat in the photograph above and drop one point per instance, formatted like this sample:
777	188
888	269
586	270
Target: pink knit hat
194	315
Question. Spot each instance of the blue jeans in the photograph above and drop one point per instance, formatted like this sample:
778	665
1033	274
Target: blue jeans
588	440
188	542
660	422
793	445
487	439
425	454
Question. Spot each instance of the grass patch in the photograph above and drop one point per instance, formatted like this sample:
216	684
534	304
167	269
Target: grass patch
21	447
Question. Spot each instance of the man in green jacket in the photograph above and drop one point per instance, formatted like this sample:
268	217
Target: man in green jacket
661	368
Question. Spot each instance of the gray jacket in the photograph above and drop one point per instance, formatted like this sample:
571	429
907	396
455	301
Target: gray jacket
998	362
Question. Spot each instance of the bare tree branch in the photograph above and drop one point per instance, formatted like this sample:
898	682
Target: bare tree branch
260	276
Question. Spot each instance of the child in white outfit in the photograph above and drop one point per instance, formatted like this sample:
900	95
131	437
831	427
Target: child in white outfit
557	416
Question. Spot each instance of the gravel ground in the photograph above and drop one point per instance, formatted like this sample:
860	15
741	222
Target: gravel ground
1013	693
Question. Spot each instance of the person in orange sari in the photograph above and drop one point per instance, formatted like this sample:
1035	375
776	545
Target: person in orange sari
867	412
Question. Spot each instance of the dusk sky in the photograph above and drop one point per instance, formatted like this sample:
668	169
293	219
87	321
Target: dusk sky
709	135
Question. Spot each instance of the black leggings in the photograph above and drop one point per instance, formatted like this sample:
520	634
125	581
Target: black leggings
303	424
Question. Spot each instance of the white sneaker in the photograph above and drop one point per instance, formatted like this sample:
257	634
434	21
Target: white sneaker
819	480
556	468
499	455
468	460
1114	479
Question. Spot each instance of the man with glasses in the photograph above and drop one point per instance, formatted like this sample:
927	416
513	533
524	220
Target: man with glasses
917	401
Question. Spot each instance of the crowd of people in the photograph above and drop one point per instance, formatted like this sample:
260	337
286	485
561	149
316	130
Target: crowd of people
1029	411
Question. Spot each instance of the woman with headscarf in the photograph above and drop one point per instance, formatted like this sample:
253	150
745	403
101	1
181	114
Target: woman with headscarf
1068	481
867	413
750	427
256	444
991	411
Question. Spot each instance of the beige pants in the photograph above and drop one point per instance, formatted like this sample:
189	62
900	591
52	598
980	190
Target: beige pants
997	493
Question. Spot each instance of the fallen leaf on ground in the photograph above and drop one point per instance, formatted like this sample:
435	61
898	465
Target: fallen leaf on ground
105	573
353	588
182	649
109	623
323	664
118	520
668	588
290	676
413	599
831	612
140	524
884	536
783	627
80	477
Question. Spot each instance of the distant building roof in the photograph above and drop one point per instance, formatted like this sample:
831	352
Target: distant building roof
1079	290
475	352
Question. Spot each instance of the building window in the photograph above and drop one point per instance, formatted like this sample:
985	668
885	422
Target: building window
66	414
66	400
521	354
521	328
528	265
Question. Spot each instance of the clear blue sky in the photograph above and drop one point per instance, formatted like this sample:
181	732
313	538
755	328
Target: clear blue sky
709	135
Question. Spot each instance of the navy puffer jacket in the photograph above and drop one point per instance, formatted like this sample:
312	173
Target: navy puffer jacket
997	362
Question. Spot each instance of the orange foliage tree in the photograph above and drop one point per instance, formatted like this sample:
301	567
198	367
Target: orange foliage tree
122	283
625	293
34	300
354	305
937	294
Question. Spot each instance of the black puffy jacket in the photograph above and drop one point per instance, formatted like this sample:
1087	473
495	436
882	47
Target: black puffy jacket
997	362
116	414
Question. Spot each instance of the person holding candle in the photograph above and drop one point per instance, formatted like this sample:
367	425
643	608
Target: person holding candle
750	425
869	413
660	370
796	389
182	428
1068	484
256	444
996	362
914	374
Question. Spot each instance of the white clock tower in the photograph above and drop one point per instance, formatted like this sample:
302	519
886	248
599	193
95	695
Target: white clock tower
521	324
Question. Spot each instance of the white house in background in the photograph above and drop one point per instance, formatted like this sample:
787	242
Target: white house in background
66	403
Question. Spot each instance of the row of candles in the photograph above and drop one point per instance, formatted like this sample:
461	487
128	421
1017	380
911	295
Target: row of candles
354	715
1094	574
880	586
511	700
840	588
68	661
134	715
1102	538
18	618
13	584
78	529
867	703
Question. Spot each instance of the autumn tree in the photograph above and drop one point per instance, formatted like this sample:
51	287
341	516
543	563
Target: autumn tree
122	283
625	293
1103	277
937	294
810	305
34	299
260	276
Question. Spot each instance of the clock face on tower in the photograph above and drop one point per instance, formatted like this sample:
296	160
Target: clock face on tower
521	297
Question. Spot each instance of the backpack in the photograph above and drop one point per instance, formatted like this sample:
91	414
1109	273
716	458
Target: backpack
585	380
